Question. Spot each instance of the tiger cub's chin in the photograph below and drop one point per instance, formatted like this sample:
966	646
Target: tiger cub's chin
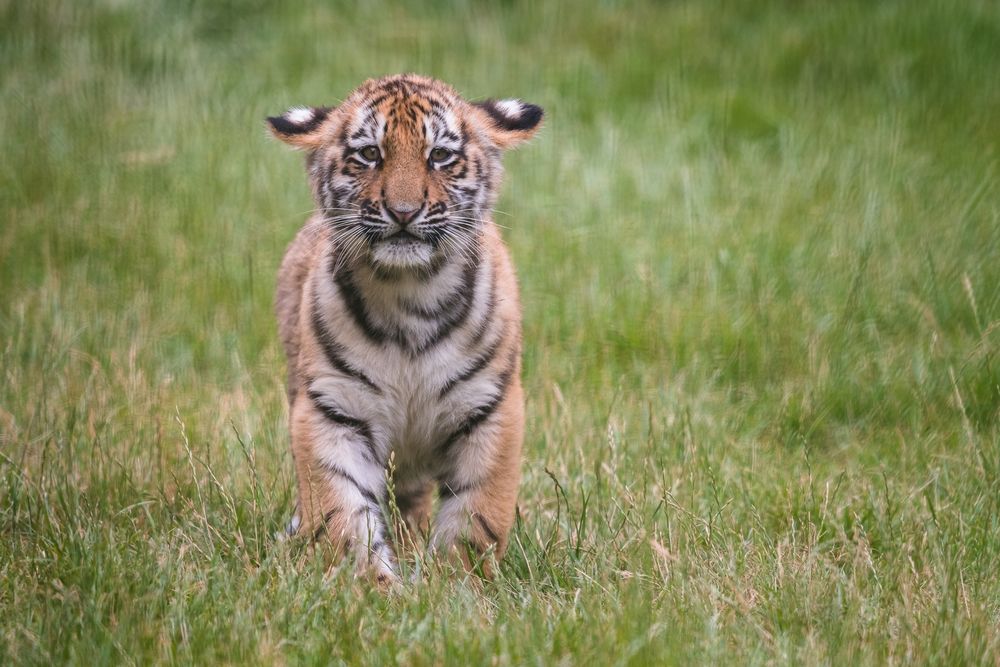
406	253
382	367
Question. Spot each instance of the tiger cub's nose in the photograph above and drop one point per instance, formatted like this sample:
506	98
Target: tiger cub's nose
403	213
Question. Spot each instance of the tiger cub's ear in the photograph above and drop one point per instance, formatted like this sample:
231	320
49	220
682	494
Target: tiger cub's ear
301	127
510	122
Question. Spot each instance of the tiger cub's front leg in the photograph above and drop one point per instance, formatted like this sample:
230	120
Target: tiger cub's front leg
478	491
341	483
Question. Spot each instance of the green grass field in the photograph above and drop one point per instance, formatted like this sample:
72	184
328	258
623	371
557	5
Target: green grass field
759	249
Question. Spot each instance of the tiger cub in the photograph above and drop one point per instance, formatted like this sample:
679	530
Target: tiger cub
399	313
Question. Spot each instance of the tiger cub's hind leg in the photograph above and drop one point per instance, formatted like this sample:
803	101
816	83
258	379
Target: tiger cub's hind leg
341	488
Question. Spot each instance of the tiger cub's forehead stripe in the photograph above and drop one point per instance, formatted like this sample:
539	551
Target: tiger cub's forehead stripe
366	127
408	102
444	128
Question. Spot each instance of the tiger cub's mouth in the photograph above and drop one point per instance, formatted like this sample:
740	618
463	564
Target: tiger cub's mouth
403	235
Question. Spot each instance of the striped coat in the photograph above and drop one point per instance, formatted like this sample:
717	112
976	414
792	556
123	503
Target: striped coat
398	309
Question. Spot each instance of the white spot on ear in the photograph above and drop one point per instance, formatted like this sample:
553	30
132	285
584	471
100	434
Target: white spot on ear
299	115
509	108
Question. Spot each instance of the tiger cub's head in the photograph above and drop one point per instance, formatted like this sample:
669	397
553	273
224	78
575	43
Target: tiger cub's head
404	170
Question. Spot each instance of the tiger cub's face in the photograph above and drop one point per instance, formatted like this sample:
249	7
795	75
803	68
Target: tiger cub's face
405	171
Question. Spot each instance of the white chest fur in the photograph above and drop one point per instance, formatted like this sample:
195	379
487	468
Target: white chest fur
399	352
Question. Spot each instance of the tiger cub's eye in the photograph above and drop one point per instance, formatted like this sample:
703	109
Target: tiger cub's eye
440	154
370	153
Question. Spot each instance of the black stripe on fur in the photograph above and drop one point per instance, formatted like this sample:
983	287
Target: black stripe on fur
484	324
481	362
481	413
359	426
465	296
282	125
334	352
349	478
356	306
529	117
320	529
490	533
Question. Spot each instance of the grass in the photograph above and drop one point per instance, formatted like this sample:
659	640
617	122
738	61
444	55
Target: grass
759	248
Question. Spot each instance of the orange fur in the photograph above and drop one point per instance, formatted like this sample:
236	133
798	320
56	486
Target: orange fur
404	344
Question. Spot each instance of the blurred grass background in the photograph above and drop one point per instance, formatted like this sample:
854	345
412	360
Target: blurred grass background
759	248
